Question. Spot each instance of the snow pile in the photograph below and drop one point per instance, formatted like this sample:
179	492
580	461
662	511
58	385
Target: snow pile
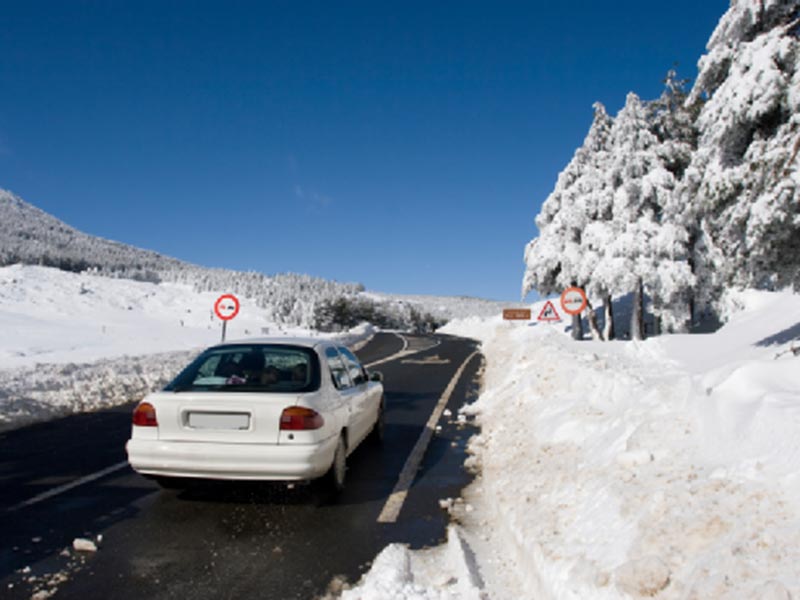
84	545
443	573
79	342
46	391
665	469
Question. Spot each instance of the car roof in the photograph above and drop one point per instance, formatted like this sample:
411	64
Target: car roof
305	342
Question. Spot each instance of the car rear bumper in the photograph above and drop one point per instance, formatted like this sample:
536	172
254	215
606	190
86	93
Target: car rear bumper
287	462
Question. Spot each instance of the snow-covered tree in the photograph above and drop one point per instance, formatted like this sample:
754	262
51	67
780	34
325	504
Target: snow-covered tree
647	251
557	259
743	179
608	224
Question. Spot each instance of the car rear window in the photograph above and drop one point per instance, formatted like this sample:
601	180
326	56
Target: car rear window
270	368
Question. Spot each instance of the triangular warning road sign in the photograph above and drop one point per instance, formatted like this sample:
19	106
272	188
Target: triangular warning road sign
549	313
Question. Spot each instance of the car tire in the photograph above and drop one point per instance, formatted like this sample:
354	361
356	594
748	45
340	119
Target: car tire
332	483
376	436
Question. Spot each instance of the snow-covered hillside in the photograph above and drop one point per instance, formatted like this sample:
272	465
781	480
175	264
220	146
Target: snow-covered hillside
29	235
664	469
33	237
53	316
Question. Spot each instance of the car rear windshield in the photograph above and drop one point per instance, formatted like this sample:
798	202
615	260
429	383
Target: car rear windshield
271	368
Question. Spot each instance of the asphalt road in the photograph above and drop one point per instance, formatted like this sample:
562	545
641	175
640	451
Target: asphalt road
225	540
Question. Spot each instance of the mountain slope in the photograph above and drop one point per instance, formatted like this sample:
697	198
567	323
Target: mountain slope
29	235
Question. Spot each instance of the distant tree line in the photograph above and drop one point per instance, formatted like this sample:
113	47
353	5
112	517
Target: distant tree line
346	312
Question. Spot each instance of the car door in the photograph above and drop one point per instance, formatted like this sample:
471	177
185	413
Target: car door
365	407
347	392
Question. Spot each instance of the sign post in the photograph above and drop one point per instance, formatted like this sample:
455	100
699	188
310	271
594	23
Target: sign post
573	301
226	308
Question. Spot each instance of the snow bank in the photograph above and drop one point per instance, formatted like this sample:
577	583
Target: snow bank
47	391
660	469
663	469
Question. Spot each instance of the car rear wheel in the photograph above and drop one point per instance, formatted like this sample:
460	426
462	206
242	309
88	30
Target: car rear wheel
332	483
377	433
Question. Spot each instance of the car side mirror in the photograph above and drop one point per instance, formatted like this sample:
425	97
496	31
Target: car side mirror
376	376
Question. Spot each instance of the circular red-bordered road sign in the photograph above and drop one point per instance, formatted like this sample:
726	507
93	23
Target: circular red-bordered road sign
226	307
573	300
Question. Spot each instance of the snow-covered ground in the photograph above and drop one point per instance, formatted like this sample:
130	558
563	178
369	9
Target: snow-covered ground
664	469
52	316
74	342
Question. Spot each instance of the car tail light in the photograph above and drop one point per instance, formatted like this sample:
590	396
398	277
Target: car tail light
296	418
144	415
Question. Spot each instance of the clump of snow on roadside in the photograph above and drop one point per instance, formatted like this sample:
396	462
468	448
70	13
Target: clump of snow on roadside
44	583
664	469
446	572
84	545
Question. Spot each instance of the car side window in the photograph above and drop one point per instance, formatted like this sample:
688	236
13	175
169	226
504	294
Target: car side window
338	369
354	367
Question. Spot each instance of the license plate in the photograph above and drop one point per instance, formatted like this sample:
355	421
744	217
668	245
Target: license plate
206	420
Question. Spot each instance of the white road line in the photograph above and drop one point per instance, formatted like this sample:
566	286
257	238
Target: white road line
405	342
69	486
391	510
393	356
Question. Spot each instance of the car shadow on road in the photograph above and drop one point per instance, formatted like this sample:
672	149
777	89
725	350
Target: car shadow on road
372	472
242	492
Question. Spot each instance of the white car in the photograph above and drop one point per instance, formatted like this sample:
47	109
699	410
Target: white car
283	409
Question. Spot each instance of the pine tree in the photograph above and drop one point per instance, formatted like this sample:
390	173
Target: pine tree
556	259
743	179
644	249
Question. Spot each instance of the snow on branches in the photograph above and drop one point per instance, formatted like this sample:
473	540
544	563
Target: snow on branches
688	194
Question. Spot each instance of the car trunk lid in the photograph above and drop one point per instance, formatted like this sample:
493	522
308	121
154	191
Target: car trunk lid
240	418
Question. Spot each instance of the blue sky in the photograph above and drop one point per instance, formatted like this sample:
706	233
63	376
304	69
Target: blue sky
406	145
